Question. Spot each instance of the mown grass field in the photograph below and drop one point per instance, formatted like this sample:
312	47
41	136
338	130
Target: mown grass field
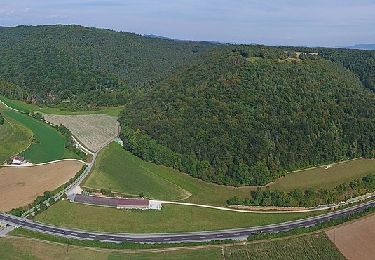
14	138
120	171
172	218
325	178
117	170
24	248
48	144
26	107
314	246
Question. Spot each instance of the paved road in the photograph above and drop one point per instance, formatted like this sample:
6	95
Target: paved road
240	233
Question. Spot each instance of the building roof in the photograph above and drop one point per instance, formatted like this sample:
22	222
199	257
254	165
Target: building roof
112	202
18	158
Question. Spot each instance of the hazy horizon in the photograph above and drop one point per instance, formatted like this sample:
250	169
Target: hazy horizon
291	22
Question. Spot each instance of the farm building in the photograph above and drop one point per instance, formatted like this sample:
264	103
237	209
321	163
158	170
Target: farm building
18	160
120	203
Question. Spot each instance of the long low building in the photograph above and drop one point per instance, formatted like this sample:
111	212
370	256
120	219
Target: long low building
120	203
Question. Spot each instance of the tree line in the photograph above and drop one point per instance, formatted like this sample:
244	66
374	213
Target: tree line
308	197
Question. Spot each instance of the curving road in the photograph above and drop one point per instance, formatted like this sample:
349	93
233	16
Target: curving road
240	233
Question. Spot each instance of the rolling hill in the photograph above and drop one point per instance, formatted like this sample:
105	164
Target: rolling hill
248	114
48	64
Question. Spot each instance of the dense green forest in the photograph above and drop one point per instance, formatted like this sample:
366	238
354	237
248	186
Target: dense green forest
246	115
231	114
86	65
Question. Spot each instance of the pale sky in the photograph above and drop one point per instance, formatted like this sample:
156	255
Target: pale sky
271	22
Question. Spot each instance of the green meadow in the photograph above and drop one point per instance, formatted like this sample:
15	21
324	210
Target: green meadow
14	138
322	177
47	145
119	170
172	218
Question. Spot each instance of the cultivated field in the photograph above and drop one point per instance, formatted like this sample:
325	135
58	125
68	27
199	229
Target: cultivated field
321	177
355	240
19	186
314	246
24	248
121	171
14	138
172	218
94	131
48	144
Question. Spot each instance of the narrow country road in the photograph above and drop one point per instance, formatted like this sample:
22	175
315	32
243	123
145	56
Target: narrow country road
239	233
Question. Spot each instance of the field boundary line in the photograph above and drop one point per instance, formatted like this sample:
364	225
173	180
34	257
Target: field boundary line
41	164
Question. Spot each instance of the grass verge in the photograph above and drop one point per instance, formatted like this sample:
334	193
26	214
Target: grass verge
172	218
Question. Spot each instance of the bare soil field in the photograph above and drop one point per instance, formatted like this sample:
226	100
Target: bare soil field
355	240
19	186
93	131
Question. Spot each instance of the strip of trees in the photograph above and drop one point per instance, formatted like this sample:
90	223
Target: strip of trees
308	197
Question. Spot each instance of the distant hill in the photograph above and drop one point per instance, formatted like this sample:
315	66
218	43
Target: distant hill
247	114
88	65
370	46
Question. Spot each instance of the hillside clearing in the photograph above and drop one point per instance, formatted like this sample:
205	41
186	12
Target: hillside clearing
94	131
121	171
117	170
355	240
325	177
172	218
19	186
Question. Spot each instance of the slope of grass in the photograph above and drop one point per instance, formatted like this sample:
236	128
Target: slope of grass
321	177
172	218
117	170
120	171
48	144
14	138
314	246
24	248
27	107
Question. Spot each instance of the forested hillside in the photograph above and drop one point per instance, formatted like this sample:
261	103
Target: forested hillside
360	62
246	115
87	65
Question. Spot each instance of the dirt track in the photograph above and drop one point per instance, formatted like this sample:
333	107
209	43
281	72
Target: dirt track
19	186
355	240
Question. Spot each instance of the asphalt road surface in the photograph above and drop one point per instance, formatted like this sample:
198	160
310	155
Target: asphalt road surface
240	233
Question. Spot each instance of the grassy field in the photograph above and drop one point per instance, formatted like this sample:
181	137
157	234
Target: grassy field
26	107
117	170
48	144
121	171
325	178
172	218
14	138
314	246
24	248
